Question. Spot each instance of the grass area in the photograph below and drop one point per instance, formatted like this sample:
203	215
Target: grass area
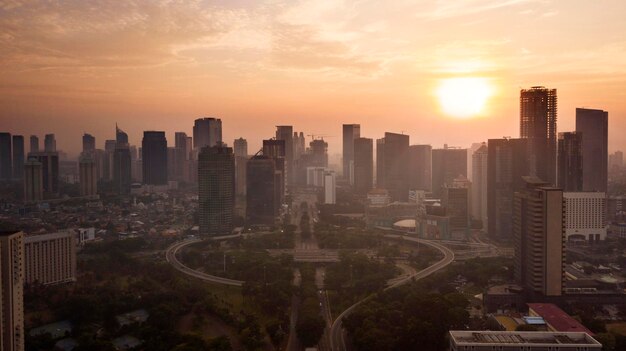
617	328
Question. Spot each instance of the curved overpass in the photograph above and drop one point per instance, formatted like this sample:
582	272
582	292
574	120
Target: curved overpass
337	341
170	256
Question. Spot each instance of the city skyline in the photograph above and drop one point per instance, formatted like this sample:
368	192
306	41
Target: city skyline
308	64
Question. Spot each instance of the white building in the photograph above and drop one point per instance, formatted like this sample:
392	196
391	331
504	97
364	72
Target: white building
468	340
330	187
315	176
585	216
50	258
378	197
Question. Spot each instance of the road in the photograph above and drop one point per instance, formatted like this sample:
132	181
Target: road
171	258
337	334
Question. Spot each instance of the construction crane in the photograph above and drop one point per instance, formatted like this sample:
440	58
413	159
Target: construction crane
313	136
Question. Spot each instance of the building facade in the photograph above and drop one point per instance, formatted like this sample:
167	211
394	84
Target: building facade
447	164
50	258
363	165
468	340
207	131
594	126
480	170
585	216
216	187
154	158
570	161
351	132
33	181
260	194
12	278
420	167
88	177
396	166
6	165
18	157
538	113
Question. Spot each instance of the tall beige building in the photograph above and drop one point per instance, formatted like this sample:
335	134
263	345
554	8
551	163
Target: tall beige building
50	258
33	181
539	237
88	177
12	278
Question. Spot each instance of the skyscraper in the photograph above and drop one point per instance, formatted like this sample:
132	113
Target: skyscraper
50	171
539	238
181	157
593	124
570	162
18	157
154	157
420	167
207	132
455	199
330	187
275	149
538	113
89	143
260	194
363	165
286	133
241	160
507	164
380	163
396	166
122	172
447	165
216	186
6	165
240	147
480	167
350	133
33	181
12	279
34	143
87	176
50	143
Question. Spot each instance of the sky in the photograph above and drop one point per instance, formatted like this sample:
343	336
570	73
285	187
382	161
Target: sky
70	67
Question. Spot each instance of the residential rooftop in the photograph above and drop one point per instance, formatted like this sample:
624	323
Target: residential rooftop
484	338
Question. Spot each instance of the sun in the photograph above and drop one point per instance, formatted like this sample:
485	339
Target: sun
464	97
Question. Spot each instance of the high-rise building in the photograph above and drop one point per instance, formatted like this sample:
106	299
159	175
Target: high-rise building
18	157
241	159
594	126
87	176
447	165
207	132
330	187
507	164
12	279
122	169
6	165
108	161
275	149
538	113
350	133
34	143
286	133
455	199
261	208
480	169
616	161
49	143
363	165
154	157
585	216
33	181
216	187
539	238
380	163
180	158
50	171
420	167
318	149
50	258
570	161
89	143
396	169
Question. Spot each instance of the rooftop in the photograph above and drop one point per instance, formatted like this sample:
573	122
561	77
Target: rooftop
557	319
467	338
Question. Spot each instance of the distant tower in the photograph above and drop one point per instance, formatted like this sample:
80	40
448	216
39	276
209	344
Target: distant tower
50	143
12	273
89	143
6	165
275	149
50	171
570	162
539	234
88	177
594	126
122	172
363	165
380	163
33	181
350	133
447	165
286	133
480	167
241	160
18	157
330	187
216	186
261	200
154	150
420	167
538	112
207	132
34	143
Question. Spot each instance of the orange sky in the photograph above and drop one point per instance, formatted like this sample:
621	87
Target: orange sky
74	67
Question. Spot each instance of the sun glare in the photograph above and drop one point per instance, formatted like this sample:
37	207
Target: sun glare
463	97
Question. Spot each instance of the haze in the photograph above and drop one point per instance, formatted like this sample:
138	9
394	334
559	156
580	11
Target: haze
74	67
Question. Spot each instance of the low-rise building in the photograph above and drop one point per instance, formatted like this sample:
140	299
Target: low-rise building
556	319
468	340
585	216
